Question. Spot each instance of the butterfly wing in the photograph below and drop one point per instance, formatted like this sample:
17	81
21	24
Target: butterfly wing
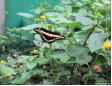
48	39
48	36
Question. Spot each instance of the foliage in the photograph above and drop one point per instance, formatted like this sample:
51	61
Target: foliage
85	24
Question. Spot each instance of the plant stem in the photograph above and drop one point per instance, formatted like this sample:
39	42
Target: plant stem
96	58
106	18
85	81
89	35
52	62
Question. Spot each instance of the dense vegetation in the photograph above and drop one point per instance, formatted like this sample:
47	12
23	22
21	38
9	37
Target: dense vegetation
83	58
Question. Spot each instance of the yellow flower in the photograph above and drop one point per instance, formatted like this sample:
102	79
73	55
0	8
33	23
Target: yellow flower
2	62
14	56
8	75
54	9
8	57
21	66
42	56
106	45
35	56
13	66
44	67
48	25
35	51
42	46
44	9
42	17
39	19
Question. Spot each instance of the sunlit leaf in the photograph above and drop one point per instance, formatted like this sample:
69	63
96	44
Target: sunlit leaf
96	40
22	78
6	69
79	53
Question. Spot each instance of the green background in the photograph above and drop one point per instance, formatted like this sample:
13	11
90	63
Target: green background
15	6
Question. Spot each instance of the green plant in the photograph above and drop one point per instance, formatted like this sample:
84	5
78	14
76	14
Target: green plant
85	24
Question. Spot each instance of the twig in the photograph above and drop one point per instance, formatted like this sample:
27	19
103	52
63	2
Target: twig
89	35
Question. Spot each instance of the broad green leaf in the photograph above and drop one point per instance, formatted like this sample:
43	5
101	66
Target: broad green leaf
62	56
42	61
89	75
68	8
61	30
38	37
83	12
85	20
2	42
51	14
72	24
5	69
30	27
31	64
28	15
22	78
80	53
40	72
66	1
98	4
37	42
96	40
37	10
3	37
100	81
59	8
58	45
58	18
24	58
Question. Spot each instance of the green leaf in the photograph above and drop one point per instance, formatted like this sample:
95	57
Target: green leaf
62	56
5	69
3	37
30	27
80	53
96	40
72	24
27	15
31	64
89	75
42	61
68	8
85	20
38	37
21	79
59	8
46	82
2	42
37	10
58	19
40	72
100	81
24	58
66	72
107	57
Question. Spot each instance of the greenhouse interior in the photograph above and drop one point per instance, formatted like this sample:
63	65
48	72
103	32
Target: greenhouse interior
55	42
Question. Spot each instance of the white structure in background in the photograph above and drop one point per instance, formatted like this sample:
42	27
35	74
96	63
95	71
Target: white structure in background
2	16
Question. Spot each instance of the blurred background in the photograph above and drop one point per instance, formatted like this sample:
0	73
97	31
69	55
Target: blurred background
15	6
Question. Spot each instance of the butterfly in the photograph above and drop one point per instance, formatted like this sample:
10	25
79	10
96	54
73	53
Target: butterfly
49	36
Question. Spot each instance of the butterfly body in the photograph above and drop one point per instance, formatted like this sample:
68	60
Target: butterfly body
48	36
